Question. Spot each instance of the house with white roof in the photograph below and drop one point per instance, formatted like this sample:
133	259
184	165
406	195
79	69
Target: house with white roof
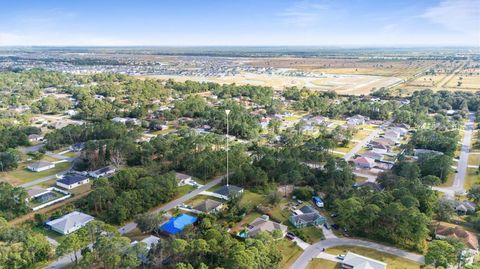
355	261
40	166
70	222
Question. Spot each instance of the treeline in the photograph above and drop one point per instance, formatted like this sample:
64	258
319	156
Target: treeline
399	215
12	137
445	141
72	134
12	201
22	248
130	192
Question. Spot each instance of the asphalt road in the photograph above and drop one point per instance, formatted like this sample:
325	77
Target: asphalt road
64	261
314	250
462	165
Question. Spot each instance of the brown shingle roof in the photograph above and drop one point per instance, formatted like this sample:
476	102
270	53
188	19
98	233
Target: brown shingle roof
469	238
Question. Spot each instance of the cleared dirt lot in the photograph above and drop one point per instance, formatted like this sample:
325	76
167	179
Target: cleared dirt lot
348	84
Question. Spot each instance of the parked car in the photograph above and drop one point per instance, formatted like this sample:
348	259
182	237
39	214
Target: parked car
290	236
341	257
326	226
335	226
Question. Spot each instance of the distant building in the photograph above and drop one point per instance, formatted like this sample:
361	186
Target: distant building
70	181
263	224
357	120
70	222
40	166
468	238
355	261
35	138
306	216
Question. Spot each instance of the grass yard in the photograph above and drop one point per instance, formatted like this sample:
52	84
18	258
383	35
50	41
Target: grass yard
393	262
280	212
245	221
345	149
251	199
323	264
359	179
290	252
361	134
312	234
71	154
474	159
182	190
472	178
25	175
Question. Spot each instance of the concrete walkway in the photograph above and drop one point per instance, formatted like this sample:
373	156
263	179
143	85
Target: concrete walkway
302	244
328	257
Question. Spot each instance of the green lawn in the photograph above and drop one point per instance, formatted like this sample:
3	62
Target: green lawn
245	221
393	262
471	178
25	175
312	234
347	148
281	215
290	252
474	159
251	199
323	264
361	134
71	154
359	179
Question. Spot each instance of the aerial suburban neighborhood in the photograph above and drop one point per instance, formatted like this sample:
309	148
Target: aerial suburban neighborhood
116	154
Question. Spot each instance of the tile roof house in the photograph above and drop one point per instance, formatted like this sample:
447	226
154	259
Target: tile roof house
469	238
392	135
70	181
70	222
209	206
379	147
355	261
364	162
263	224
229	191
40	166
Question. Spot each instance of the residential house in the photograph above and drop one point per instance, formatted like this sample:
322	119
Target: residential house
70	181
35	138
385	141
402	131
229	191
149	241
379	147
209	206
126	120
464	207
263	224
355	261
103	172
392	135
364	162
373	155
183	179
306	216
77	147
70	222
176	224
40	166
35	192
357	120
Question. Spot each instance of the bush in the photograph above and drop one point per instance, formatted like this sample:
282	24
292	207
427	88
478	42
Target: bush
303	193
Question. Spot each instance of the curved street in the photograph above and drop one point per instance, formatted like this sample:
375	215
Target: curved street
314	250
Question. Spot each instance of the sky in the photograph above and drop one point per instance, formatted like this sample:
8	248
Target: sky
240	23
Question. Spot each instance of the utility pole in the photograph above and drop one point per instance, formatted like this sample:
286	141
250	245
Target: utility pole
227	111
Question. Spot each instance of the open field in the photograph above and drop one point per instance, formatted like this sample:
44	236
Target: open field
472	178
428	80
341	83
460	81
23	175
393	262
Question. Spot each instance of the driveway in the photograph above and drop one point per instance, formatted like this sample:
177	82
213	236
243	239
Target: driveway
43	179
64	261
314	250
302	244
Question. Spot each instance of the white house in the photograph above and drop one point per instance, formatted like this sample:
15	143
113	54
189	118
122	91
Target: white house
355	261
35	138
70	222
71	181
103	172
364	162
40	166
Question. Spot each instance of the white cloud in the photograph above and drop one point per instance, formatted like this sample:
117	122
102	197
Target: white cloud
303	14
457	15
